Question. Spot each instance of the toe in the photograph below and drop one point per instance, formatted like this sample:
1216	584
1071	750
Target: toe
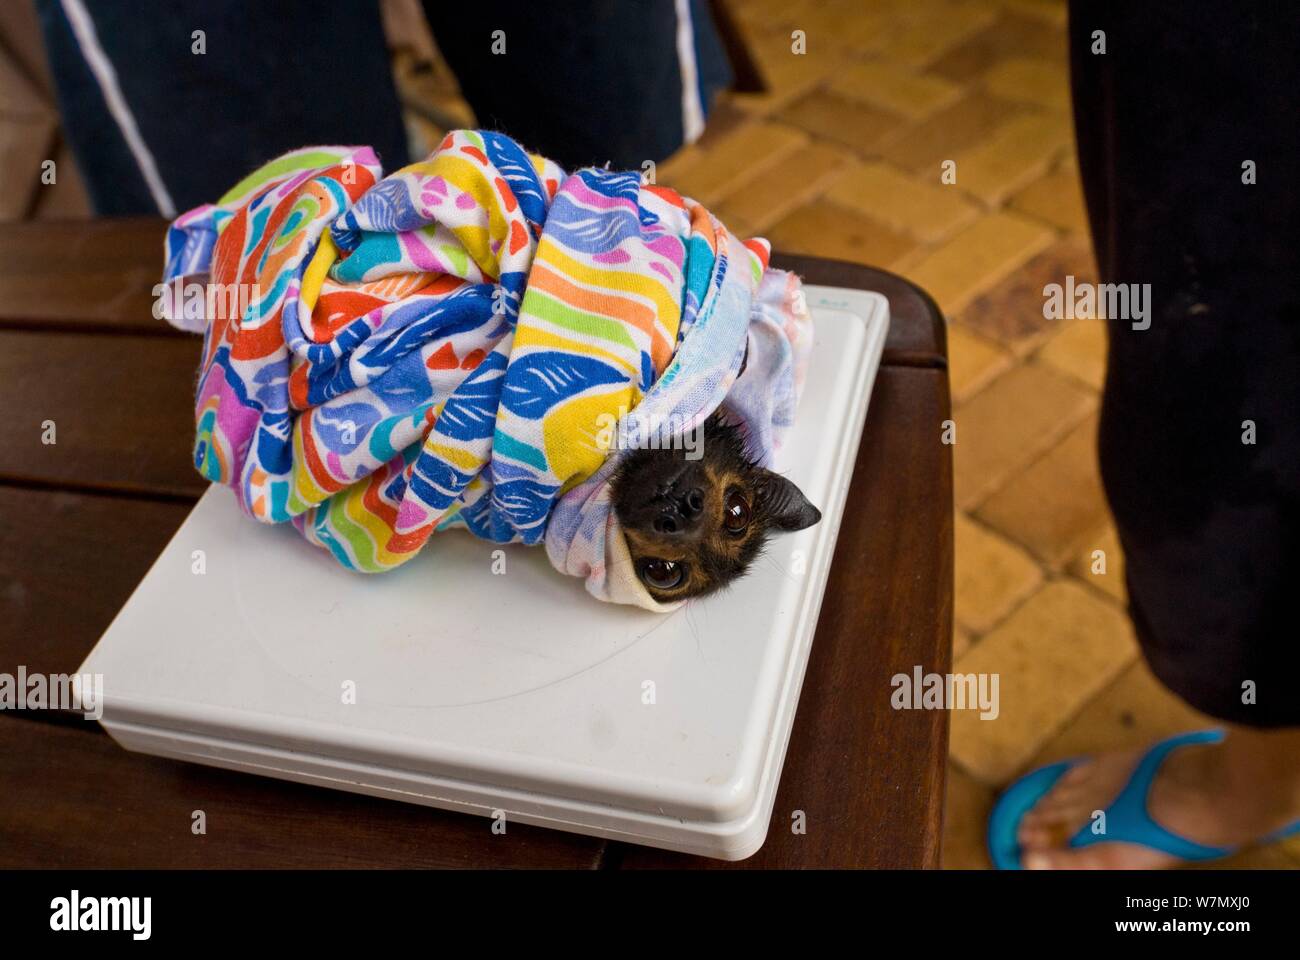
1076	774
1060	806
1099	856
1043	834
1063	859
1052	822
1042	859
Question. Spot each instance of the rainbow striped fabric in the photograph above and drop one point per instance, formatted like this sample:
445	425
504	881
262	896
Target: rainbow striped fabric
447	346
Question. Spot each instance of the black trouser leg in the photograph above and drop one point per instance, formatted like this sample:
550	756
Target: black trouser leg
272	77
1167	119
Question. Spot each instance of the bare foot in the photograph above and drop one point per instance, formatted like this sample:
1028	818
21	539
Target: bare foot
1201	792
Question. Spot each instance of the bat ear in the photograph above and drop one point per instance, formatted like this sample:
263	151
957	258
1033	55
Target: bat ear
787	508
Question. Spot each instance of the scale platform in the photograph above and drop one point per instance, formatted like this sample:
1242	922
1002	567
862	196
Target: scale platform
446	684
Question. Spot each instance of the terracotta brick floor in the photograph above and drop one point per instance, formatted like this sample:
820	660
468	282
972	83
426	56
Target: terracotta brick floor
843	158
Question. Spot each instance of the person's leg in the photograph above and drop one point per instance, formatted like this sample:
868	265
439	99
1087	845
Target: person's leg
162	119
1221	795
586	81
1187	144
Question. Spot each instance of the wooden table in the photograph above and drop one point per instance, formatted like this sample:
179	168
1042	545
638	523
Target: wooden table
82	519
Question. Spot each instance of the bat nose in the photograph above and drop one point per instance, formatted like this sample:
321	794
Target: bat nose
668	522
679	514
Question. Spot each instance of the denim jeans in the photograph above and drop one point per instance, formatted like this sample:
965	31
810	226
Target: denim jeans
158	127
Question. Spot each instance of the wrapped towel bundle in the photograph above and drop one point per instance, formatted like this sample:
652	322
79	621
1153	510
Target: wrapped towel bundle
448	346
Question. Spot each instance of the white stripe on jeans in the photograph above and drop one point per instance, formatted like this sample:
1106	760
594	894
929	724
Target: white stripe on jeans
692	109
83	28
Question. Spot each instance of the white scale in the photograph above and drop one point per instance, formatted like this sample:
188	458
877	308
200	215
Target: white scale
485	693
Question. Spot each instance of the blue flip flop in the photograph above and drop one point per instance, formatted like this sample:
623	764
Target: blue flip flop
1127	819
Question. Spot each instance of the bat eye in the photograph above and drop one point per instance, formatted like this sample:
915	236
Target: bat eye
736	512
662	574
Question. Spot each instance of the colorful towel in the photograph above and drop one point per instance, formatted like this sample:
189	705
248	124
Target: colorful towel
448	346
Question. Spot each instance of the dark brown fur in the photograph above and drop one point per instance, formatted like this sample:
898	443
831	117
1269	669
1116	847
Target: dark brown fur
657	485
